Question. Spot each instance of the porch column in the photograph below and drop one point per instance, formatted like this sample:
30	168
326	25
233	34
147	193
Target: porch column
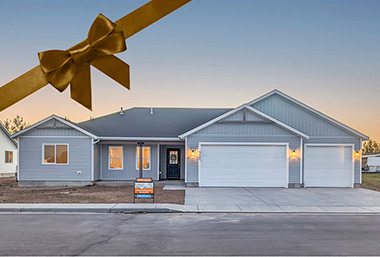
141	158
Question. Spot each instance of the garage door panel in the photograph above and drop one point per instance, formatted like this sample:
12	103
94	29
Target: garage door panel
243	165
328	166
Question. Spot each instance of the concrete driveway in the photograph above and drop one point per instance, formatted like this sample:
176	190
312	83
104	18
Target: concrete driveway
284	199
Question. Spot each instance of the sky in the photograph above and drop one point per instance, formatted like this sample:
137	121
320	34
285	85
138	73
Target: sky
209	53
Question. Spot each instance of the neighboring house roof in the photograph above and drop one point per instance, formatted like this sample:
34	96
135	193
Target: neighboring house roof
164	123
66	122
6	132
250	108
312	110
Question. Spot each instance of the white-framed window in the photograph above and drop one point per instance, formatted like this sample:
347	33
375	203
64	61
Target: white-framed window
55	154
115	157
8	157
145	159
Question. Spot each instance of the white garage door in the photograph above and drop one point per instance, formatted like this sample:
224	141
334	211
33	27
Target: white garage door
328	166
243	166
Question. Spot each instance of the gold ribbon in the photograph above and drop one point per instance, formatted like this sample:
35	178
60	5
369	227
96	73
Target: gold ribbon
72	66
105	38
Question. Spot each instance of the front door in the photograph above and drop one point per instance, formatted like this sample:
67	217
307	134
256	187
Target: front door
173	170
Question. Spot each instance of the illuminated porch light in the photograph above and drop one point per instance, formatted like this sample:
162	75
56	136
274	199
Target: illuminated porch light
357	154
294	153
192	152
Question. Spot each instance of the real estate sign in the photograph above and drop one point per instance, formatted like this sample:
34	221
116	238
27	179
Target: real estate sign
144	188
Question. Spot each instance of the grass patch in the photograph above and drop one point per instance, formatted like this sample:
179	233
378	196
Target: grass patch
371	181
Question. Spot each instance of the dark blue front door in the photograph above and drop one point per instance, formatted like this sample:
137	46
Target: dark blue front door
173	156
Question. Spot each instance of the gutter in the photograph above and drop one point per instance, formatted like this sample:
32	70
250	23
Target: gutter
174	139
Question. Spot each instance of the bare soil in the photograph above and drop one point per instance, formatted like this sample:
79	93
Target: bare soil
10	192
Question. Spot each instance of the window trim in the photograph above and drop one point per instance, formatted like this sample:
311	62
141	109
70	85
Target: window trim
122	157
55	152
150	157
5	157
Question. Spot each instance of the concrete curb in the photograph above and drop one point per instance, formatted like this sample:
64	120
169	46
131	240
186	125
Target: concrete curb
173	208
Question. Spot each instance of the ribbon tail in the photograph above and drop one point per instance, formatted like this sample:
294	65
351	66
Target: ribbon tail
81	86
114	68
21	87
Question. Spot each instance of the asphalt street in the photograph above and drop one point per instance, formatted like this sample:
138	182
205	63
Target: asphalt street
189	234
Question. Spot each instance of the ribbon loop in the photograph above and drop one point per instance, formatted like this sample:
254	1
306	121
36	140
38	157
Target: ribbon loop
62	68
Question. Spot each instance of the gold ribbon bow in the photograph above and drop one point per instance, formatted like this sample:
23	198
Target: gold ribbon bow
61	68
72	66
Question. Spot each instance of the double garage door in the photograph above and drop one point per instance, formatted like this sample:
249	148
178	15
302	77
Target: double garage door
235	165
243	166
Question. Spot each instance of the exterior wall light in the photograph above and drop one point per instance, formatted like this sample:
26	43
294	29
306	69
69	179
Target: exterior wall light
357	154
192	152
294	153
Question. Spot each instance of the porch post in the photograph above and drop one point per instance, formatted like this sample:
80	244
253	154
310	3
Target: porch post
141	158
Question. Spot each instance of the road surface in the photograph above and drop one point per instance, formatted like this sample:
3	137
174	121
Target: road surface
189	234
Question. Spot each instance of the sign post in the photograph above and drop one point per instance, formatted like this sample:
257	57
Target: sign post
144	188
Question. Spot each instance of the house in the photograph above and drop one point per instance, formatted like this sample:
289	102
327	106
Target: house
8	153
272	141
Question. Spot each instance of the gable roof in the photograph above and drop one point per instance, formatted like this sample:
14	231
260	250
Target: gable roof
6	132
138	122
312	110
250	108
66	122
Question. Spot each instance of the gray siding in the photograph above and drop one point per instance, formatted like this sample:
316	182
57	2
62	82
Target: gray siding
239	116
243	129
194	140
298	117
54	128
32	169
96	162
129	171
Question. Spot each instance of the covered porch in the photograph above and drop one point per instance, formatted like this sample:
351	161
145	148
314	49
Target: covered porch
119	160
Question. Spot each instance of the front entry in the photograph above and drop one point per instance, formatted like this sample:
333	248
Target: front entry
173	162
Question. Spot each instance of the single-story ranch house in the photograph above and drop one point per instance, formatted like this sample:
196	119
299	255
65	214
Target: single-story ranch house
272	141
8	153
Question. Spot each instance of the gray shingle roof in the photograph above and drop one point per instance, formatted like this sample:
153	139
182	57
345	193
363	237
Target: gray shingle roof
138	122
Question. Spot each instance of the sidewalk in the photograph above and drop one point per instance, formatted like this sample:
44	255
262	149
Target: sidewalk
173	208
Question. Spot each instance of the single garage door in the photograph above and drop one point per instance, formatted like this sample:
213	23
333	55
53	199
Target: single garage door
243	166
328	166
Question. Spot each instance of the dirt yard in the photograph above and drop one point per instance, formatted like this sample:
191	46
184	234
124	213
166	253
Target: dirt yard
11	193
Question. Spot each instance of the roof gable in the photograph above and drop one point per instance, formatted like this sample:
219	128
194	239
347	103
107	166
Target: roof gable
6	133
302	117
255	113
53	121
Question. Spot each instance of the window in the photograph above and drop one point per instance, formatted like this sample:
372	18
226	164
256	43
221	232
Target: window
145	159
8	157
55	153
115	157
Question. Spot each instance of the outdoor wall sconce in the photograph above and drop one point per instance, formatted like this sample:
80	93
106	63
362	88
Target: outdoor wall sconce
192	152
357	154
294	153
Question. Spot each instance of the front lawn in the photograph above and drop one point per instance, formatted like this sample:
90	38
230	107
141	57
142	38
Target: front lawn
371	181
10	192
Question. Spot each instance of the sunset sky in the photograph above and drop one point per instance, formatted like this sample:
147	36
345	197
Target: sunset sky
209	53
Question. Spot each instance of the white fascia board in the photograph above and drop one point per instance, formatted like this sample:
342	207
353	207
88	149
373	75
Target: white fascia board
211	121
141	138
281	124
331	120
18	134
